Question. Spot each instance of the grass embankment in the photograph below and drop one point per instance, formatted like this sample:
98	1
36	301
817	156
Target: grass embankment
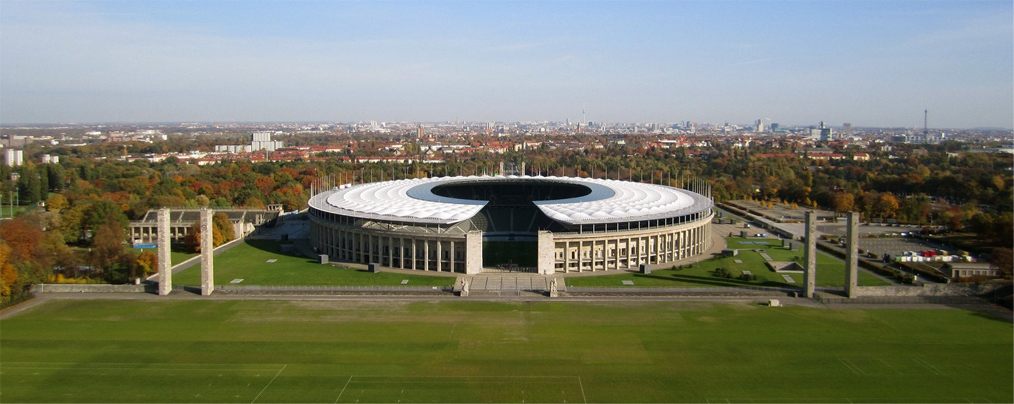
473	351
252	262
830	270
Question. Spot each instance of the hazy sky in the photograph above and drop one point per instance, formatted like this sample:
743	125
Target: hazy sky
876	63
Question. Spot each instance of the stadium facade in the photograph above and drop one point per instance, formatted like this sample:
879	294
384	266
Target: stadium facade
572	224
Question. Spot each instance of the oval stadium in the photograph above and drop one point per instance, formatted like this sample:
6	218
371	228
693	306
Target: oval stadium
538	224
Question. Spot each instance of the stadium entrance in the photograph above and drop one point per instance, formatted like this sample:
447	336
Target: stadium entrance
510	221
510	256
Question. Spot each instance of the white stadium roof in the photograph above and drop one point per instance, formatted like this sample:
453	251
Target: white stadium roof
412	200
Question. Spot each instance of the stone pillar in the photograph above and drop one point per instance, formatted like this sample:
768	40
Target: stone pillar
473	252
426	255
810	253
440	255
451	253
165	273
852	255
207	253
546	247
415	253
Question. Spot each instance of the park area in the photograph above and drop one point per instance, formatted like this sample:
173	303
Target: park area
264	263
474	351
830	270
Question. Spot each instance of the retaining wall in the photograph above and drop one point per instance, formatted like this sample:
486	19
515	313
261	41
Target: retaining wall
87	288
952	289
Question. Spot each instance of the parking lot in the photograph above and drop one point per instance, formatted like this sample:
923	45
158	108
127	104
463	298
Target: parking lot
896	246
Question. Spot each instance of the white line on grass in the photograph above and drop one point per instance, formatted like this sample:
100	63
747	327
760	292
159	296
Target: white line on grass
579	383
343	389
269	382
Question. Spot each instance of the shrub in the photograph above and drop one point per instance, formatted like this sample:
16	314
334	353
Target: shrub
721	272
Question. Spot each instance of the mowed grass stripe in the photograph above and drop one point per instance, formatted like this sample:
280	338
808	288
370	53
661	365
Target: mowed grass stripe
499	352
249	261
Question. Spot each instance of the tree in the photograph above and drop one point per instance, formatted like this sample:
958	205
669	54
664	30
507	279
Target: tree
1003	258
147	263
56	203
192	241
8	275
224	227
22	236
843	202
104	212
108	246
887	205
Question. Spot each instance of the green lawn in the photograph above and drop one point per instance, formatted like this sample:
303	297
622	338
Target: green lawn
249	262
830	270
473	351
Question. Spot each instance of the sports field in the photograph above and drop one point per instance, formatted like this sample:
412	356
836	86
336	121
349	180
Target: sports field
830	270
472	351
261	262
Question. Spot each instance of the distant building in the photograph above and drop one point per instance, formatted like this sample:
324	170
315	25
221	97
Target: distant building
50	159
259	141
14	157
822	133
262	141
244	221
959	270
861	156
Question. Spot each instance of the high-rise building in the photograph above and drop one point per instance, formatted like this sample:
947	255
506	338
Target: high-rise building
14	157
822	133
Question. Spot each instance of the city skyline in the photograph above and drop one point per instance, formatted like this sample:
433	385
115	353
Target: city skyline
868	63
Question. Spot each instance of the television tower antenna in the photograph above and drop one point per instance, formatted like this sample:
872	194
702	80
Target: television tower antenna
925	122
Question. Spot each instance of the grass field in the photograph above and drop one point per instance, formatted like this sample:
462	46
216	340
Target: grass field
249	262
830	270
471	351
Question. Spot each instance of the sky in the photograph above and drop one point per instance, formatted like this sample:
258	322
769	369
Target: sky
869	63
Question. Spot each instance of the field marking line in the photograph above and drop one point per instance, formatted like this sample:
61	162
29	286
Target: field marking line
581	384
896	370
855	369
926	363
343	389
269	382
464	377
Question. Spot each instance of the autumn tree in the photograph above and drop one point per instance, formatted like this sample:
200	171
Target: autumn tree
224	228
107	246
8	275
147	263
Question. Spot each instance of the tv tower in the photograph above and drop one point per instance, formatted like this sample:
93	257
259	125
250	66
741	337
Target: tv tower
925	122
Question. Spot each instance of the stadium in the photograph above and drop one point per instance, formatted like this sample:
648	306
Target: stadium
478	224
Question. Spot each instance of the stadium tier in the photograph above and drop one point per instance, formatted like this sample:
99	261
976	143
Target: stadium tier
580	224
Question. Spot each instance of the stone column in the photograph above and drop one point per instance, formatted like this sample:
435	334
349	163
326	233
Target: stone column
440	255
426	255
473	252
165	273
207	253
451	253
415	254
852	255
810	252
546	247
